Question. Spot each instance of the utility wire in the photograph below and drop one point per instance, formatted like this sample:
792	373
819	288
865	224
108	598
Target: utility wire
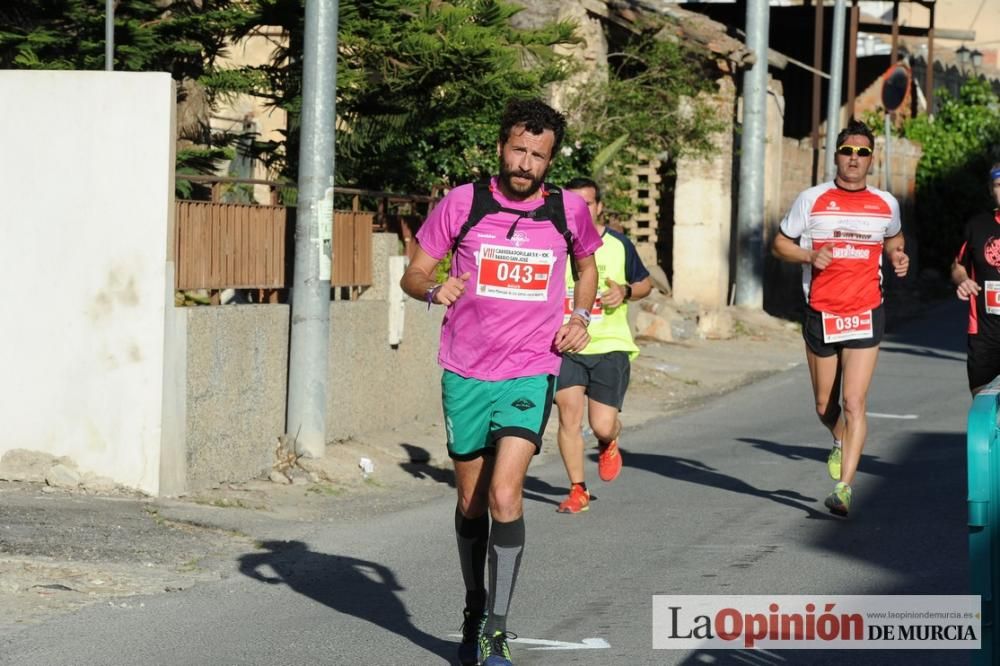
981	5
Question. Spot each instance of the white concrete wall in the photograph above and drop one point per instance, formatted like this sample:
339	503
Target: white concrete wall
86	192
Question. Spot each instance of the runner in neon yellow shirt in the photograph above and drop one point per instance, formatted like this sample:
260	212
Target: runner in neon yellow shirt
598	375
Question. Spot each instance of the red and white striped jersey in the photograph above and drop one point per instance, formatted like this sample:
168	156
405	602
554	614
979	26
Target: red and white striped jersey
854	223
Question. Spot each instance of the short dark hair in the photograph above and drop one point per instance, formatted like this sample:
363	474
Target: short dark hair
856	128
582	182
536	116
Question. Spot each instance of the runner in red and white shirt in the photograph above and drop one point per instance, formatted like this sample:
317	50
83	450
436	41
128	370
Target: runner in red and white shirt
839	231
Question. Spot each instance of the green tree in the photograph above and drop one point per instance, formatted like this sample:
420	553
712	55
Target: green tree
959	145
183	37
420	85
652	104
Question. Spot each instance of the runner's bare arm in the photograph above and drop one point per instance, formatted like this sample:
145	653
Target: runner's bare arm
642	288
786	249
585	289
966	287
572	336
894	248
418	280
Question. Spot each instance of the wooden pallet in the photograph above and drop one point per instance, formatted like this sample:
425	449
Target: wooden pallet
645	180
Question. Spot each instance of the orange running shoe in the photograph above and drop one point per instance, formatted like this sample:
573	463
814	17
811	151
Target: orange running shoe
609	461
578	500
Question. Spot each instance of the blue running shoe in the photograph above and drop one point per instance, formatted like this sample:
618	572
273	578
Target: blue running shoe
493	650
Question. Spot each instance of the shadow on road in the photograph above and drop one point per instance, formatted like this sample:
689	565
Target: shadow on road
535	489
910	521
827	657
950	318
695	471
366	590
869	463
889	348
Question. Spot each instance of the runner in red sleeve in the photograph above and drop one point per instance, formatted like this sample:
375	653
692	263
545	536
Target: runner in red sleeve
839	231
976	274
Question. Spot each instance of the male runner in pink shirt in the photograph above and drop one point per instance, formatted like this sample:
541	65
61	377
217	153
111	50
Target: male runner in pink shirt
501	345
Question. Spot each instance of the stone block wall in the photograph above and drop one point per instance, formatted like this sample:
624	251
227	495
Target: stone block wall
234	376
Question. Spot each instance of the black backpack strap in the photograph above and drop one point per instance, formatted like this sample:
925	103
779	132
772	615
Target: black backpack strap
556	211
553	208
483	204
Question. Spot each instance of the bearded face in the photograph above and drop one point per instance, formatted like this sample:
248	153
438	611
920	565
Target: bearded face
524	161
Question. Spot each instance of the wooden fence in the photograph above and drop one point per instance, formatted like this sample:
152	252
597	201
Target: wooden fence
352	249
246	246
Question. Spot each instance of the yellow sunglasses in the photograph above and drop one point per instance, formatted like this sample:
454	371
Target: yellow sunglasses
860	151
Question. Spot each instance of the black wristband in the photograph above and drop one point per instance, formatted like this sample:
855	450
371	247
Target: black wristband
628	292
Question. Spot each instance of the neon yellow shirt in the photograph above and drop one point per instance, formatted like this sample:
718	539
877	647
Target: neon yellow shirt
609	330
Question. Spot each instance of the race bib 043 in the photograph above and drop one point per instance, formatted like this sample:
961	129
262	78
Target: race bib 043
514	273
852	327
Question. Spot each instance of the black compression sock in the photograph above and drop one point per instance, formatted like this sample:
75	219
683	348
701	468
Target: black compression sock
473	535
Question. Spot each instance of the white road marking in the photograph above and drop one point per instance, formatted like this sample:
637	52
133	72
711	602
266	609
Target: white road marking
543	644
585	644
879	415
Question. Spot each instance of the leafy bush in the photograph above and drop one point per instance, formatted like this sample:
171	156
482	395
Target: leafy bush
652	106
959	145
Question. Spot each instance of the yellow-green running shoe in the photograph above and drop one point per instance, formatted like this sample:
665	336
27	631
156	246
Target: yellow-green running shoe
839	501
833	462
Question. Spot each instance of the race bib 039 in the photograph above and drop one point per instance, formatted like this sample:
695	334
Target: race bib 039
852	327
514	273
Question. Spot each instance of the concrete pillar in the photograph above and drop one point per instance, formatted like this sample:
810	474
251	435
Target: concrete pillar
773	159
703	216
590	53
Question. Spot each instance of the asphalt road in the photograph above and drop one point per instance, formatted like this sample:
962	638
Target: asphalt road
723	500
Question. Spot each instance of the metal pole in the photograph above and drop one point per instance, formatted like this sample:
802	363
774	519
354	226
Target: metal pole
887	163
833	120
852	59
894	53
109	35
929	61
310	328
750	218
817	82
